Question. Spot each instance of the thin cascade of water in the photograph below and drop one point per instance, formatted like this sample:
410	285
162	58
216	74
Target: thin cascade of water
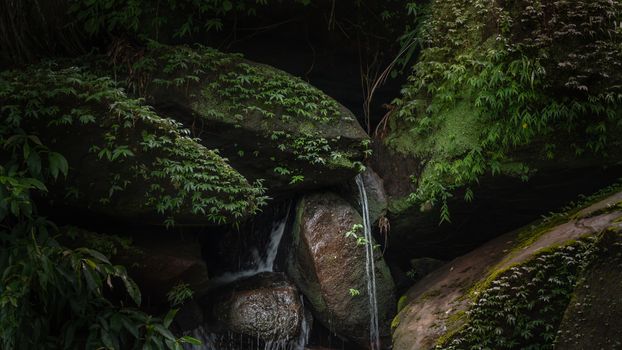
374	333
231	341
305	329
260	263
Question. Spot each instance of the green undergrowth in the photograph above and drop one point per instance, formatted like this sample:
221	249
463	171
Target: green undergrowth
223	87
181	175
530	234
496	78
171	18
523	306
57	290
458	323
591	320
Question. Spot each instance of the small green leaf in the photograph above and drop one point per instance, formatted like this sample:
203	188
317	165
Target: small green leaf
170	316
58	163
190	340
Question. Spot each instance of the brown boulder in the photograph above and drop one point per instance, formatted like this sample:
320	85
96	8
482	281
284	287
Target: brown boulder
436	309
329	268
265	307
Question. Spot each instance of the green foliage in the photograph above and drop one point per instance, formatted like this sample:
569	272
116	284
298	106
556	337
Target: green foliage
522	307
182	17
45	101
410	40
354	292
360	239
180	294
224	87
494	79
354	231
52	296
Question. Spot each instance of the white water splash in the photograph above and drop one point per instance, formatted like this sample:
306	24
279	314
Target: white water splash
260	264
232	341
305	329
374	333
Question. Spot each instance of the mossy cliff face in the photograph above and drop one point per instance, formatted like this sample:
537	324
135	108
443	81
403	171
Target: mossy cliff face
513	292
124	160
269	124
496	78
502	92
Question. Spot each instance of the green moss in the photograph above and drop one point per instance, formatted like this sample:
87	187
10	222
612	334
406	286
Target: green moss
395	322
399	205
402	302
282	108
457	323
481	93
174	173
523	305
457	133
453	324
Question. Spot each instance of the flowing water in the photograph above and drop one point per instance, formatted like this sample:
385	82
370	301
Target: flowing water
374	333
260	263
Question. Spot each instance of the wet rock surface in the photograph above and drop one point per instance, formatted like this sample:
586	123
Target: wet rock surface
435	306
376	195
329	268
266	307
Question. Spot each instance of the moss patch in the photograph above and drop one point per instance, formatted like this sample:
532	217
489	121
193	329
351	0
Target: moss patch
495	79
284	110
523	305
592	319
139	161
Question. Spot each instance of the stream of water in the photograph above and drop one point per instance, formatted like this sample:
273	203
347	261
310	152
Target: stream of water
265	263
261	262
374	333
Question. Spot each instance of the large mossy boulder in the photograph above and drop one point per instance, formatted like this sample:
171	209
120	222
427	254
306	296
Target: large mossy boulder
266	307
329	267
502	92
121	159
516	290
269	124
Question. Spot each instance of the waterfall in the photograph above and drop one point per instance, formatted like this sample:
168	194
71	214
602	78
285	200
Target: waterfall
261	263
374	333
305	329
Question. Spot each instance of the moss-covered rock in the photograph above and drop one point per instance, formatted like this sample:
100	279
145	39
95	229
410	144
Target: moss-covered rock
502	92
501	87
593	317
513	291
123	160
269	124
328	265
